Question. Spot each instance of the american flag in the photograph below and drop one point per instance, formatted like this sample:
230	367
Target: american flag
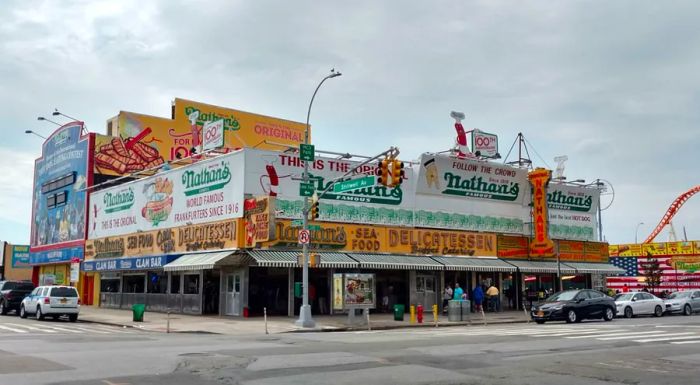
635	268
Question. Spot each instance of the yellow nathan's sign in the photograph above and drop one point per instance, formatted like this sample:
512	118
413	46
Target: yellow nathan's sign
655	249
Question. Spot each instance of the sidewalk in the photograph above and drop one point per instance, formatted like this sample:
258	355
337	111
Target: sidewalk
181	323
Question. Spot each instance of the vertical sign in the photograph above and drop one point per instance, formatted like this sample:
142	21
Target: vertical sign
542	245
337	291
213	134
74	271
259	220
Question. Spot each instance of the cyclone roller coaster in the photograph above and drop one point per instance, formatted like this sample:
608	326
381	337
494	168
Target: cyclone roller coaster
672	210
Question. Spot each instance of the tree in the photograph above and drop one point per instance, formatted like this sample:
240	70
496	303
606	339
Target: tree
652	272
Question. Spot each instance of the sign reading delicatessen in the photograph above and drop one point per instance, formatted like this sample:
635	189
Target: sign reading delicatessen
209	236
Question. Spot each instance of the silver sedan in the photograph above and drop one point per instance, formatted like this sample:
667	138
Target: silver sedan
632	304
686	302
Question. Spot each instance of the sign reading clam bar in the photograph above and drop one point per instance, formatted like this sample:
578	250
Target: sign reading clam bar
203	192
542	245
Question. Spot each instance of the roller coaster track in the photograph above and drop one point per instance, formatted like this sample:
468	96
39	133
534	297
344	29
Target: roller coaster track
672	210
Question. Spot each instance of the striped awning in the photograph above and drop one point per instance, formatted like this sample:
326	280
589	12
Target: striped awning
395	261
286	258
541	267
475	264
595	268
198	261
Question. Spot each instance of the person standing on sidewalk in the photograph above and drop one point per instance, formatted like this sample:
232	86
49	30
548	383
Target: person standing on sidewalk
458	293
446	298
494	298
478	296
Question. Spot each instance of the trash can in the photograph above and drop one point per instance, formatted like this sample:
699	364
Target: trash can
399	310
138	310
466	309
454	310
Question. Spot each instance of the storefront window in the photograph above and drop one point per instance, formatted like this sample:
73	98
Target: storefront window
191	284
134	283
157	282
110	285
175	284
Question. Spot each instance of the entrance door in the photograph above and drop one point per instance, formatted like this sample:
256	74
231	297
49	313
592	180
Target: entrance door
425	291
233	294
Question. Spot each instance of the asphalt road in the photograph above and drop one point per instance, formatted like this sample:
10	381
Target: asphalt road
638	351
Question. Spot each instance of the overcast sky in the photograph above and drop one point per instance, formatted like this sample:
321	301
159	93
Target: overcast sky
613	85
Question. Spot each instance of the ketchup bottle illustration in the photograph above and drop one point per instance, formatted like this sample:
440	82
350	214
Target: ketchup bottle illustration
462	149
273	180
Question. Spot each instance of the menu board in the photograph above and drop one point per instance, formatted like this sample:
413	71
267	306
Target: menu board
359	291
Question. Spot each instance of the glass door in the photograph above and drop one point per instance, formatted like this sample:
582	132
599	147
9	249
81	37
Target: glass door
233	294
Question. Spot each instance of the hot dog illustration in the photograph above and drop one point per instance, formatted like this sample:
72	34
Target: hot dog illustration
462	149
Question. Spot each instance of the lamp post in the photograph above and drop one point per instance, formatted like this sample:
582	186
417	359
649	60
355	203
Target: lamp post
48	120
34	133
305	319
56	112
636	231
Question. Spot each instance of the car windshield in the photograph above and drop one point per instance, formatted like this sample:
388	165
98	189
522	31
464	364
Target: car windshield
562	296
9	286
679	294
63	292
624	297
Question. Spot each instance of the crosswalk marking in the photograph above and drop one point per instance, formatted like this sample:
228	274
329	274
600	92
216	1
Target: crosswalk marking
111	329
12	329
646	336
32	328
608	334
587	333
62	329
93	330
686	342
691	337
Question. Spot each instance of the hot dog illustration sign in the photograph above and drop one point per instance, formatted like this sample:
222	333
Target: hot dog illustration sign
206	191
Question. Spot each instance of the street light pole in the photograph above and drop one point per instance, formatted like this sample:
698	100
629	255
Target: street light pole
636	231
305	319
34	133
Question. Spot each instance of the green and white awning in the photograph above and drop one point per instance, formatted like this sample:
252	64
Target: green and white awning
395	261
199	261
541	267
595	268
286	258
475	264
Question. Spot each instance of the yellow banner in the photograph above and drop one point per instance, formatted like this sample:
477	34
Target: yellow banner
654	249
380	239
680	248
201	237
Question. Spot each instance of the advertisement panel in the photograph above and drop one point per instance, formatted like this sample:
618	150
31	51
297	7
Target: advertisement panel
469	195
201	237
380	239
117	156
571	250
20	257
259	217
542	245
241	129
206	191
572	211
681	248
277	175
64	254
60	179
338	291
510	247
213	135
484	144
359	291
596	251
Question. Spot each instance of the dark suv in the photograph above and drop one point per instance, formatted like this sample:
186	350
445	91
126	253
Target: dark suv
12	293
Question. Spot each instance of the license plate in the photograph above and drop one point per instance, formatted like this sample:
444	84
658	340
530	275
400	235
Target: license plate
540	313
63	300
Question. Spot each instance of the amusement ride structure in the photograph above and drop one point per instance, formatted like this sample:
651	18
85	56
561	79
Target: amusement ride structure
671	212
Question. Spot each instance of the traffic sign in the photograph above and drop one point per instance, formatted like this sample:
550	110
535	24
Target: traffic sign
304	237
306	152
314	227
297	222
354	184
306	189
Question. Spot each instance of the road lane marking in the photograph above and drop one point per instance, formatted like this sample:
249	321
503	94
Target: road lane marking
111	329
669	339
686	342
91	330
33	328
646	336
13	329
608	334
588	333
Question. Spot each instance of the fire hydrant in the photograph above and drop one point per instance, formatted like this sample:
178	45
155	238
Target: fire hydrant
419	311
435	314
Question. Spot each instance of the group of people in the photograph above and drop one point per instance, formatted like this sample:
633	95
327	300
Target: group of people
480	295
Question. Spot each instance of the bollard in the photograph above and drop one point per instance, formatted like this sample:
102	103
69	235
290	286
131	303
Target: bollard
412	319
167	325
419	313
527	315
435	315
265	317
369	328
483	316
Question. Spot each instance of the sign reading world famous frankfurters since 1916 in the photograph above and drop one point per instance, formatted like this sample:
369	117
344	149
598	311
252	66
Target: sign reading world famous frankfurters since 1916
206	191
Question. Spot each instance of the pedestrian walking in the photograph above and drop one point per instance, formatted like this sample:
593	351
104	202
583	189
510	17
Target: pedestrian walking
446	298
494	298
478	296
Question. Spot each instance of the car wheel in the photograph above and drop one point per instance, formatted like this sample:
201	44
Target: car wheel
628	312
658	311
22	312
72	317
3	309
571	317
39	314
687	310
609	314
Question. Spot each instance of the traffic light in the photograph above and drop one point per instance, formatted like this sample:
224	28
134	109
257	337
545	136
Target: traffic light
383	173
313	209
397	173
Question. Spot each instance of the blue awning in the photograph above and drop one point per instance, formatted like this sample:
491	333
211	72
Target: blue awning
131	263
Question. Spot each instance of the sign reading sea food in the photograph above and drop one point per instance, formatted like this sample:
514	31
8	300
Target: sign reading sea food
206	191
277	174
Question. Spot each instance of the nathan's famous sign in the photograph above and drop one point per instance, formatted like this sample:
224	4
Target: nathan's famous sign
206	191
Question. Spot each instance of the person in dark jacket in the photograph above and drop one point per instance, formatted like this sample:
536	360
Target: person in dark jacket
478	297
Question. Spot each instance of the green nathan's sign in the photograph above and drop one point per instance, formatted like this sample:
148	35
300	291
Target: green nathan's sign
211	177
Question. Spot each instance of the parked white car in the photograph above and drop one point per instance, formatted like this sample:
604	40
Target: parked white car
686	302
51	301
638	303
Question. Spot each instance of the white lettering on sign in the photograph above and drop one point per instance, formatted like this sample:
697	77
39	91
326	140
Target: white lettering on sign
144	263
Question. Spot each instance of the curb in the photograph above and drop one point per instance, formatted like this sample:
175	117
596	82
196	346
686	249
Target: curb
393	327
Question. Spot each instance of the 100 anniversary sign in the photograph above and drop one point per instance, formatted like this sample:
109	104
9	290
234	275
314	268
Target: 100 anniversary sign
206	191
